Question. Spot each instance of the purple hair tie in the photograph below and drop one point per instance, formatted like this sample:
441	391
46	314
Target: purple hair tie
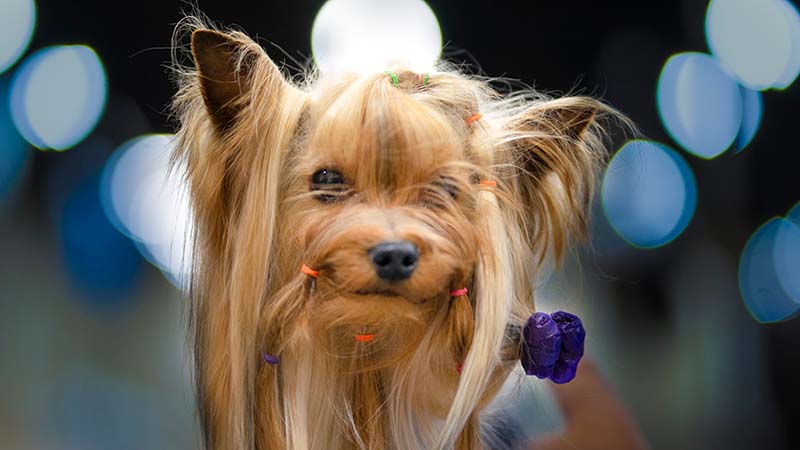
552	346
270	359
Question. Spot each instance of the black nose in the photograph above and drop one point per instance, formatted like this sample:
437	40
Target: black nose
394	260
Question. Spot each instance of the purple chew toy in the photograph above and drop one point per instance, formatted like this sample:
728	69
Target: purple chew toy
552	346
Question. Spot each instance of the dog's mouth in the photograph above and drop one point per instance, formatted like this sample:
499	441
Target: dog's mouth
394	294
411	291
377	293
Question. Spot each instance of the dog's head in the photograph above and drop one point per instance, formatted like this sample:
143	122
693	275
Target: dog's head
419	205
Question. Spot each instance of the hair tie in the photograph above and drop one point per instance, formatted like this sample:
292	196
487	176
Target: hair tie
309	271
270	359
393	76
458	292
552	346
474	118
424	78
365	337
488	183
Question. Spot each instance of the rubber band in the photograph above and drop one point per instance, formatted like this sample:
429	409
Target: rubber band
460	367
474	118
365	337
488	183
395	80
309	271
270	359
425	77
458	292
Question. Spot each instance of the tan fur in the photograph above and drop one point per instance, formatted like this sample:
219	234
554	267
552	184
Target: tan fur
251	141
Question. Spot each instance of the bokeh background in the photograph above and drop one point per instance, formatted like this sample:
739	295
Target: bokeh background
688	287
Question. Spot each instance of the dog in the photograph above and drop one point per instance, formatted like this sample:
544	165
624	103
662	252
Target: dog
367	246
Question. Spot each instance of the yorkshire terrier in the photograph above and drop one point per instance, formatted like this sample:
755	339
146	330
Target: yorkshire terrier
367	246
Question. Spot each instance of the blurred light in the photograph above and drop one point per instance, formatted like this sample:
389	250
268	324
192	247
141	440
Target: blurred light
148	202
17	21
367	36
787	259
58	95
769	271
751	38
787	255
13	149
794	215
700	105
793	67
752	109
101	260
649	194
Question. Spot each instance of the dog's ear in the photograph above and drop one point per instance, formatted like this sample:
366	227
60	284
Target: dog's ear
225	64
556	147
550	135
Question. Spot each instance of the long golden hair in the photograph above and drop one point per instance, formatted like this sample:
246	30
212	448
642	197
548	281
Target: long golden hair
414	151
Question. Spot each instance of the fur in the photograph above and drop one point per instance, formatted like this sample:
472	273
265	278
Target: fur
251	139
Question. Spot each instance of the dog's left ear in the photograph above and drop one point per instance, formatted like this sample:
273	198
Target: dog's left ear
228	65
551	135
556	146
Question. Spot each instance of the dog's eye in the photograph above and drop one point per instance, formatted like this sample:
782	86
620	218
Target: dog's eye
330	183
446	184
439	193
324	177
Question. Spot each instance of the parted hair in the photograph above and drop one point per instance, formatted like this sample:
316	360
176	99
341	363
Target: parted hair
410	153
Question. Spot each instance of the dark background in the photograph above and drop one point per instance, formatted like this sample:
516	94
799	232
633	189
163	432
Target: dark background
672	331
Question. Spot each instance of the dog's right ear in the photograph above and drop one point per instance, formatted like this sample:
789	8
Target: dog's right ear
227	66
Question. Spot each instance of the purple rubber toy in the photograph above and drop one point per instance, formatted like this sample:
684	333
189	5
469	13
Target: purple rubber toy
552	346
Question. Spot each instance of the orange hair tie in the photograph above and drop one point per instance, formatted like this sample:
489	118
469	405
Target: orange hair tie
474	118
365	337
309	271
488	183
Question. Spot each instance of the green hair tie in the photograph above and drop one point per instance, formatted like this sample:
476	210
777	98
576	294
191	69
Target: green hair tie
425	79
395	80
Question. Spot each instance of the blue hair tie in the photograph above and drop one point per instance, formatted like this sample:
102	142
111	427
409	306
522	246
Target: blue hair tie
270	359
552	346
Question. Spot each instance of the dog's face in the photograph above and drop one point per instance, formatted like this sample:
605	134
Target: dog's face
384	222
394	193
382	203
